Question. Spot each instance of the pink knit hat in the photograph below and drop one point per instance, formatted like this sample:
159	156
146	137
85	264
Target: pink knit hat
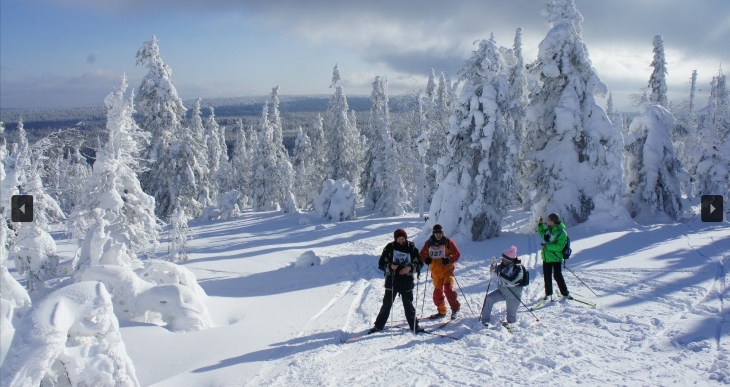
510	253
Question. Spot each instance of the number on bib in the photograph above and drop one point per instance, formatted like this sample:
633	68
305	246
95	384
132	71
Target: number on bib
437	252
400	258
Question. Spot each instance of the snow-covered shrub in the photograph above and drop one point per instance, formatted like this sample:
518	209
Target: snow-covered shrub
309	258
228	204
14	303
70	338
12	291
176	306
162	272
180	233
336	200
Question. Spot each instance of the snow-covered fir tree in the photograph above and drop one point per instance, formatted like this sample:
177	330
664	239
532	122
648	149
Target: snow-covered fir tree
572	163
653	173
179	233
424	125
319	151
658	80
711	172
207	184
517	107
306	183
161	110
381	183
32	248
431	86
74	170
242	163
176	169
342	137
218	164
283	173
437	111
265	189
473	197
684	135
115	219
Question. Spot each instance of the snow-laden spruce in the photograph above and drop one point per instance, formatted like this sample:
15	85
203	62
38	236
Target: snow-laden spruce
336	201
711	171
283	173
381	183
31	246
265	190
241	163
73	172
658	80
70	338
219	167
178	165
342	137
207	185
305	184
473	197
115	219
572	166
438	145
653	172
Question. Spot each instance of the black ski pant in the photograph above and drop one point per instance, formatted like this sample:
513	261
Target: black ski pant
552	270
401	285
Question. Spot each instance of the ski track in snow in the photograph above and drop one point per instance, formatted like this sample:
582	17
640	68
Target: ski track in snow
564	345
660	317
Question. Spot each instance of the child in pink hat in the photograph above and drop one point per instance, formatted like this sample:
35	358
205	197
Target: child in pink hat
509	276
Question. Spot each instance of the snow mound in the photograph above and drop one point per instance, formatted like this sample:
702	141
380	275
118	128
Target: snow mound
162	272
71	338
309	258
173	305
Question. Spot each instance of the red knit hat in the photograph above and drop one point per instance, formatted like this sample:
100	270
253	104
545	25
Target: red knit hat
400	233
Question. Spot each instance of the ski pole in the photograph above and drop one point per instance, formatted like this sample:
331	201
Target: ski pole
425	288
484	304
415	308
392	298
523	304
581	281
463	295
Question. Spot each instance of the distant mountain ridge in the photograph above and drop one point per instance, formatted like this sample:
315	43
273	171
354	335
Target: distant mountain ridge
95	116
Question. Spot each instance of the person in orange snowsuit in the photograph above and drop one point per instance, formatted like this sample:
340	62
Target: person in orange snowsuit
440	253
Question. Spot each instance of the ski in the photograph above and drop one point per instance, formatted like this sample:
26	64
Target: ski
507	327
359	336
441	335
592	305
541	303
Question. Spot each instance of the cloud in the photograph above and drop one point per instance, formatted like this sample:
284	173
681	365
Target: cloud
51	90
407	38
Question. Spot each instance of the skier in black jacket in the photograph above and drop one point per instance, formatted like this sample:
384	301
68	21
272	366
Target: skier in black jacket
399	261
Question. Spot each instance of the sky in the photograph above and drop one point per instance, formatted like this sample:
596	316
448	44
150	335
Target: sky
65	53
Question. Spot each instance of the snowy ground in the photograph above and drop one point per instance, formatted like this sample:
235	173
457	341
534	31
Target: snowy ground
660	319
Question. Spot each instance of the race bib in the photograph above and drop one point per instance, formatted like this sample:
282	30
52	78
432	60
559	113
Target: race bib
437	252
401	258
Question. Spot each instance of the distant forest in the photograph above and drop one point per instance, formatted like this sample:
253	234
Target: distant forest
296	111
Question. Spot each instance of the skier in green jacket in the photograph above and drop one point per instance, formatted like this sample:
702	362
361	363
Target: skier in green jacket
554	239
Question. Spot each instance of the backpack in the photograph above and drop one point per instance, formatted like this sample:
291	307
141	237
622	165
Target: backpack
566	249
525	277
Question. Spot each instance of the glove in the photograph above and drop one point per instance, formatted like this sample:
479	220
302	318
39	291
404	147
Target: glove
428	260
546	237
446	261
